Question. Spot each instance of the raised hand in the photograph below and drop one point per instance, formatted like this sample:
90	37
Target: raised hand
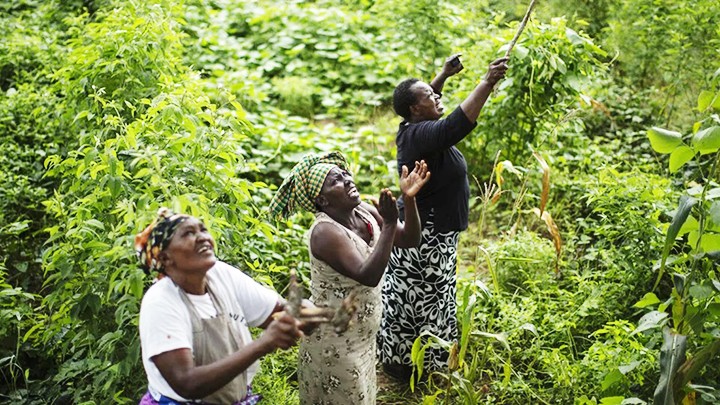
497	70
452	66
387	208
411	183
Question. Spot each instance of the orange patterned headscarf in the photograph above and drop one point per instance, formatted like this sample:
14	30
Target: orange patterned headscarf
155	238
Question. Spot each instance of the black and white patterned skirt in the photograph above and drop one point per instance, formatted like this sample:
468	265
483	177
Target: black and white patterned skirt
419	294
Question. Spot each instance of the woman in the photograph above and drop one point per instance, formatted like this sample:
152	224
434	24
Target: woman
419	288
350	243
194	320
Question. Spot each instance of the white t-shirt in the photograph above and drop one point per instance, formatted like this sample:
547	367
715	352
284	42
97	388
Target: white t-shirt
165	320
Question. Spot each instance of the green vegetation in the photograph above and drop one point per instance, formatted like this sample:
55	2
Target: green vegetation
110	109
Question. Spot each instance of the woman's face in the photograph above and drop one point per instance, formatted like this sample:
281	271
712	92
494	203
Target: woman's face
191	248
339	189
428	105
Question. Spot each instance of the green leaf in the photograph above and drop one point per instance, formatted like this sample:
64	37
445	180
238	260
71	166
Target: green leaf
681	214
612	400
647	300
714	212
705	99
629	367
672	355
500	337
610	379
710	242
707	140
633	401
680	156
691	224
664	141
701	291
574	38
689	369
651	320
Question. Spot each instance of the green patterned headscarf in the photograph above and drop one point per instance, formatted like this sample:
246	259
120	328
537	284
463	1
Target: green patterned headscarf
303	184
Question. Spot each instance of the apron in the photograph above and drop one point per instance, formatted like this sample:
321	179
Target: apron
215	339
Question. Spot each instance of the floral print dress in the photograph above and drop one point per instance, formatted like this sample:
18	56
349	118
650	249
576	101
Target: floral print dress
340	369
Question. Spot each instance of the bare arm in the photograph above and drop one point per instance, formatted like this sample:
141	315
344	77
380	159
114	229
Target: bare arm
472	105
195	382
331	245
448	70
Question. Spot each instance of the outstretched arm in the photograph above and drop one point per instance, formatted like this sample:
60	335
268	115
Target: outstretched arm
331	245
195	382
472	105
450	68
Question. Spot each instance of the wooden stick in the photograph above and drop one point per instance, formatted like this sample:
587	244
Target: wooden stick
521	28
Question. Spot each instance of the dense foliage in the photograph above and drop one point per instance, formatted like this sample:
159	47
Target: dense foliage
595	285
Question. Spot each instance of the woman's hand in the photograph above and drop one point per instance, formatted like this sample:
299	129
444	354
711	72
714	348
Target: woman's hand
387	208
497	70
282	333
451	66
411	183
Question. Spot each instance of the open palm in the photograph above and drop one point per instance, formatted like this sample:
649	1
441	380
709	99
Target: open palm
412	182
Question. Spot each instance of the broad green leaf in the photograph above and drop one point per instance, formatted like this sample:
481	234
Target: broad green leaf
633	401
500	337
672	356
710	242
574	38
612	400
680	156
610	379
629	367
707	140
689	370
651	320
714	212
647	300
701	291
691	224
705	99
681	214
663	140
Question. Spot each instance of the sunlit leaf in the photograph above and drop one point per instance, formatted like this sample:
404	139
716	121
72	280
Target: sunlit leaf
663	140
680	156
651	320
610	379
612	400
707	140
705	99
646	301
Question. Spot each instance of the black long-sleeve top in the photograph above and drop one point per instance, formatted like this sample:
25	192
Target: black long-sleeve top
448	191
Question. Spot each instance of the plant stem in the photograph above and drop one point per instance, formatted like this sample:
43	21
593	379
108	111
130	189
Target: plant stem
521	28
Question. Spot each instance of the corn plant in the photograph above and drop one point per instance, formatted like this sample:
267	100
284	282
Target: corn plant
693	306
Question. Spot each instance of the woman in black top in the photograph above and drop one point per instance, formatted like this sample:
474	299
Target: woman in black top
420	283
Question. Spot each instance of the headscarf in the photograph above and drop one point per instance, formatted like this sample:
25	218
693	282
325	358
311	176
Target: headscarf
303	184
155	238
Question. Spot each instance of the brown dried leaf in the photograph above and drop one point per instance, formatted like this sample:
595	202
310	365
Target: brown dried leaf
545	181
554	232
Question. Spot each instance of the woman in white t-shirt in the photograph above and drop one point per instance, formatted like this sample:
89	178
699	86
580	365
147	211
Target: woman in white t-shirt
196	346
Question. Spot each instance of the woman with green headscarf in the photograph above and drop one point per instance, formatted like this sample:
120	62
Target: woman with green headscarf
350	244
